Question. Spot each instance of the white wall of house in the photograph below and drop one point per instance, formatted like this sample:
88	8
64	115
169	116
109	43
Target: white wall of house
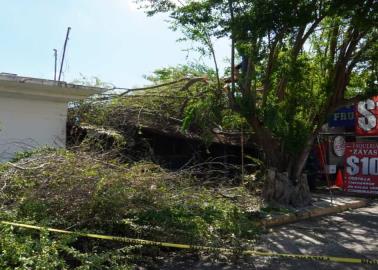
33	113
26	124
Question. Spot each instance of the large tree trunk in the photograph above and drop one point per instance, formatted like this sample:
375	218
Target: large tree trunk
285	182
301	159
280	189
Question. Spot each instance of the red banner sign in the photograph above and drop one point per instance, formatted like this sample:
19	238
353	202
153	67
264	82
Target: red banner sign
361	168
367	117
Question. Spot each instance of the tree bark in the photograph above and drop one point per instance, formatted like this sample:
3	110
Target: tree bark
268	143
302	157
278	188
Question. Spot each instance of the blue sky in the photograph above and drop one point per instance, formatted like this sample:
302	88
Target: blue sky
109	39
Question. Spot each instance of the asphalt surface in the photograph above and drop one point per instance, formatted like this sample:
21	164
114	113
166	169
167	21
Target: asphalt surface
349	234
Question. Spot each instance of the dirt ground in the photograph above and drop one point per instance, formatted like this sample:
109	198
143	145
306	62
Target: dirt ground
349	234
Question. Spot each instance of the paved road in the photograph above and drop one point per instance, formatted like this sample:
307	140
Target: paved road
348	234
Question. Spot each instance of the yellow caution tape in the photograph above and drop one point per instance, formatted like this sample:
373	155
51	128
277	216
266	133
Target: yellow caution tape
195	247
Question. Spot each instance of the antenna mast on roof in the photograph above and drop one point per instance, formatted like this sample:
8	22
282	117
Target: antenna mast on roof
55	62
64	52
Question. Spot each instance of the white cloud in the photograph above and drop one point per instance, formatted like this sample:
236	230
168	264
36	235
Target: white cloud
131	5
128	5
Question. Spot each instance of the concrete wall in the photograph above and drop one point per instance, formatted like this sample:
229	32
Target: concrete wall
27	123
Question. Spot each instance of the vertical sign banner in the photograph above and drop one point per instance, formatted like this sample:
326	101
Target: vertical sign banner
367	117
361	168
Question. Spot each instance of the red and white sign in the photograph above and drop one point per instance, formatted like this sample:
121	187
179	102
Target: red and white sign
361	168
367	117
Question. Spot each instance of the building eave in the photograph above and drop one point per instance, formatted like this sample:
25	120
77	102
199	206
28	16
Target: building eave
34	88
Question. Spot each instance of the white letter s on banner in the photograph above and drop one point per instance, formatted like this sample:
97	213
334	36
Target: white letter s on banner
368	120
352	167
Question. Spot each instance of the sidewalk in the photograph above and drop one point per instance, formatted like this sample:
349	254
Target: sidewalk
322	205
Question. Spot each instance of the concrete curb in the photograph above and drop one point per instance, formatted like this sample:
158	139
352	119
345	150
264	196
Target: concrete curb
306	214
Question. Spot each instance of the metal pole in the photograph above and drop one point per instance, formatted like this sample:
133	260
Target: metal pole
55	62
242	154
322	157
64	52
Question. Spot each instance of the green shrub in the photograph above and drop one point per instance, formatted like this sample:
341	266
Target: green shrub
75	190
19	251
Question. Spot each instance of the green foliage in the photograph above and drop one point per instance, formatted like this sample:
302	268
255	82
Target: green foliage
305	59
26	251
162	75
291	119
202	114
65	189
28	153
197	109
21	155
195	216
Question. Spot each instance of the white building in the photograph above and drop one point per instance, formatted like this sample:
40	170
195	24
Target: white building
33	112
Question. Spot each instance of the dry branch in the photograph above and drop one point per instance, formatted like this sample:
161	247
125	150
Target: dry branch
190	82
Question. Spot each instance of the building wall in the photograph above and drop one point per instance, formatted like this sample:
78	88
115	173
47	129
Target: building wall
28	123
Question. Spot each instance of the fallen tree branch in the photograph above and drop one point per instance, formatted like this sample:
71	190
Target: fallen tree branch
190	82
27	168
4	186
